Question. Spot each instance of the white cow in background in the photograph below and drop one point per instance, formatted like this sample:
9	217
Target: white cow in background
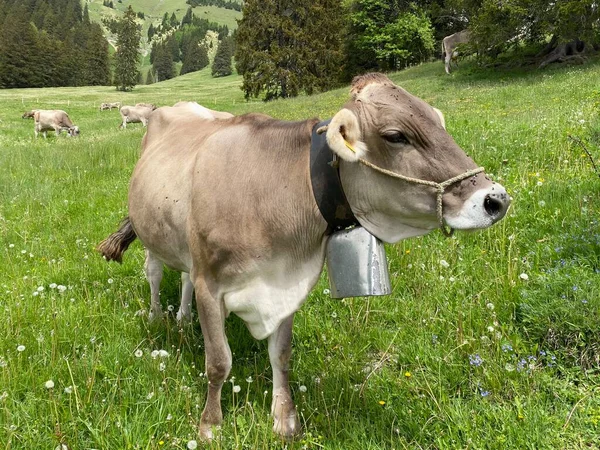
449	44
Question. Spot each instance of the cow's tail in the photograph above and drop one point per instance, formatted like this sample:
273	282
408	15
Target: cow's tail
113	247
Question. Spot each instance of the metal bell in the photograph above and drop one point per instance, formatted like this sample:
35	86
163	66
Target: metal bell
356	264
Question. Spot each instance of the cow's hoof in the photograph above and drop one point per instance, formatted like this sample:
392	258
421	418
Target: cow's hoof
183	318
287	427
206	431
156	315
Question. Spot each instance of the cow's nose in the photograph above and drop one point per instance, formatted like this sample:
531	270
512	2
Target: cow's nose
496	203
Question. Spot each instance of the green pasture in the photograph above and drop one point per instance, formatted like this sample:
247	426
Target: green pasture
490	340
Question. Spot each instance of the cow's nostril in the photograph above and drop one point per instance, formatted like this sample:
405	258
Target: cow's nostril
492	206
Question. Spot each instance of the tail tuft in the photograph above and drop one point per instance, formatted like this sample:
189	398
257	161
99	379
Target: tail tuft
113	247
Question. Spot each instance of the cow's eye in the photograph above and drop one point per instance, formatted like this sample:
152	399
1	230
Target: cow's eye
396	138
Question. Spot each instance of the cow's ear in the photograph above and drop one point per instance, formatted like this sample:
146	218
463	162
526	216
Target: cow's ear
343	136
441	117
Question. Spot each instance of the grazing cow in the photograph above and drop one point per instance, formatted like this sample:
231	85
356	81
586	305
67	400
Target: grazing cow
110	106
29	114
449	44
147	105
54	119
135	114
236	204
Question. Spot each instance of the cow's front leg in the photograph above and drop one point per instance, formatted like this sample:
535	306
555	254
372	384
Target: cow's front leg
217	355
153	268
185	308
285	418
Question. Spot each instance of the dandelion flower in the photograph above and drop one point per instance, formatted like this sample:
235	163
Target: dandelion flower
69	390
49	384
138	353
490	306
381	402
162	367
192	445
444	263
110	281
53	285
40	289
163	353
236	389
61	288
407	374
524	277
154	354
20	348
302	388
326	291
249	380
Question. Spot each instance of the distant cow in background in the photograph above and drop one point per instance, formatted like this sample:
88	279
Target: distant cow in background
110	106
135	114
449	44
147	105
29	114
54	119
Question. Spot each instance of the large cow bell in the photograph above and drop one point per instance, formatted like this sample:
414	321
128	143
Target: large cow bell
356	264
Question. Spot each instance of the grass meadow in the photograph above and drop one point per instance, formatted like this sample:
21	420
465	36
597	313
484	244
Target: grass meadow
490	340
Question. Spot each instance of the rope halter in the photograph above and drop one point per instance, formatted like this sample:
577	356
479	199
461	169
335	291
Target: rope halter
440	187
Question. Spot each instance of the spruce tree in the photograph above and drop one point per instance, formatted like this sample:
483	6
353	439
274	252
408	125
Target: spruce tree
151	32
283	48
97	67
126	56
195	57
163	63
221	66
19	61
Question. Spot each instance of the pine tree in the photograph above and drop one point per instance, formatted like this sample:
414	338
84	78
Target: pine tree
97	65
127	57
86	15
222	64
163	65
187	18
173	21
19	61
195	57
151	32
284	48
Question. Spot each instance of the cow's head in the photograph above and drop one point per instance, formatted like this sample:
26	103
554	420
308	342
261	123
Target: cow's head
73	131
394	130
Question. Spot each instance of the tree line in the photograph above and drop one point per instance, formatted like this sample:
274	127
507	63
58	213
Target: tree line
226	4
285	47
50	43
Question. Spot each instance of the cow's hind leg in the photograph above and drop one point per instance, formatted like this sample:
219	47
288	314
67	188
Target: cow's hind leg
185	308
217	355
154	273
283	410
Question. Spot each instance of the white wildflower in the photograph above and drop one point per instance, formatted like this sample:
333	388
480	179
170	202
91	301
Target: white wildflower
192	445
69	390
162	367
444	263
302	388
524	277
20	348
53	285
49	384
138	353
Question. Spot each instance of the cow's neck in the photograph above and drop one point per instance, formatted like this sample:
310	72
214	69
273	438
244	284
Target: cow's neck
326	183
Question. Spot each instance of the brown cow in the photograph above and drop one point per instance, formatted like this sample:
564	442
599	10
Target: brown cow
54	119
231	202
110	106
135	114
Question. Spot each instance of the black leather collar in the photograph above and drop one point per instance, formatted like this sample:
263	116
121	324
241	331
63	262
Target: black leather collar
326	183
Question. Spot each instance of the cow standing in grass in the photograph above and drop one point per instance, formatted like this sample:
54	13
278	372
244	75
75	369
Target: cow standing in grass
110	106
449	44
231	203
56	120
135	114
